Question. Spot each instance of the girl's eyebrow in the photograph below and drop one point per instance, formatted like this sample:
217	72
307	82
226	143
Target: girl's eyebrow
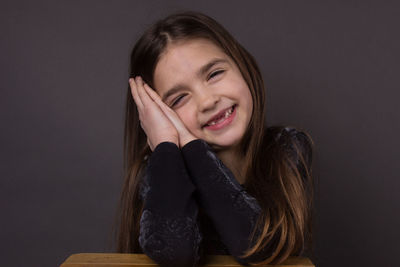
201	72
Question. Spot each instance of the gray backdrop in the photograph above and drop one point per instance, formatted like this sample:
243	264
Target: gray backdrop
330	67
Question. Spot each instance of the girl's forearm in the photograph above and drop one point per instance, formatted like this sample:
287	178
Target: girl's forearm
169	232
232	210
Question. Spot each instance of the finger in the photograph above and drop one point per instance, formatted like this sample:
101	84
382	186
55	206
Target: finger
156	98
151	92
171	114
185	136
144	97
135	95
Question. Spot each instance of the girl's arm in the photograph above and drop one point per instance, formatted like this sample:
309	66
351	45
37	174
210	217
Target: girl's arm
233	211
169	233
168	230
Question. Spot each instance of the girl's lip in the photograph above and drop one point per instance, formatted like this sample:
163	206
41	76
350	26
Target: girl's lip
219	114
223	123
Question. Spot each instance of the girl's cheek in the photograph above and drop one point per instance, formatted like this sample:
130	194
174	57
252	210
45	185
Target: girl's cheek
182	115
188	118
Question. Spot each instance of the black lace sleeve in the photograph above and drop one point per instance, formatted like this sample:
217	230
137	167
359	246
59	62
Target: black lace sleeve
169	232
232	210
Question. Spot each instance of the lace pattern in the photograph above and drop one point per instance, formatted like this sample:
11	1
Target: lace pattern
159	236
241	199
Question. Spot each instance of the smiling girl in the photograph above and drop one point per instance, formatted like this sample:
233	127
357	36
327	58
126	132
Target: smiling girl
203	172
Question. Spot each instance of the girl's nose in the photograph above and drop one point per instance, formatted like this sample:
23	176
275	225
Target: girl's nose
208	102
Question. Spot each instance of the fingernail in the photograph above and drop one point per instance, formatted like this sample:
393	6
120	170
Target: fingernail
130	80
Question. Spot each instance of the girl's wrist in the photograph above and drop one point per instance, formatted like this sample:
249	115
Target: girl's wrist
185	141
169	140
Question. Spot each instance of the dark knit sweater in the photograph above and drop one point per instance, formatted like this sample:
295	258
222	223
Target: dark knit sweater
194	206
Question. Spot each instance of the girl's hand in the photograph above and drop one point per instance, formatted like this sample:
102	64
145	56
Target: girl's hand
154	122
184	135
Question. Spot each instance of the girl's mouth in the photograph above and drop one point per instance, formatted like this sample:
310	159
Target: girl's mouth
222	121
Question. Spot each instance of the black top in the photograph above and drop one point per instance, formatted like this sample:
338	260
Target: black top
193	206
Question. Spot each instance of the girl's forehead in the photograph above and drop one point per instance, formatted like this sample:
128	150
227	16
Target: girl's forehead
188	55
184	60
195	48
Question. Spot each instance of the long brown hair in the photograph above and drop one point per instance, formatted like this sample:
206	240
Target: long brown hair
273	176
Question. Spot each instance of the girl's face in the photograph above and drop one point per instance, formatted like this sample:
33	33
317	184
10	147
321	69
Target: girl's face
207	91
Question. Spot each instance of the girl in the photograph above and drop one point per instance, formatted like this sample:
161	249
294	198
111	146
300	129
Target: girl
203	173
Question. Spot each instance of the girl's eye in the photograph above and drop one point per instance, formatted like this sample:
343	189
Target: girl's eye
214	74
177	100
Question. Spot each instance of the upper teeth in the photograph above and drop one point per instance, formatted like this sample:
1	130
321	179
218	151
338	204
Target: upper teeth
226	115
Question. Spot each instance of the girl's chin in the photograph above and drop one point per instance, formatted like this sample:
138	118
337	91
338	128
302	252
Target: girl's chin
224	143
225	139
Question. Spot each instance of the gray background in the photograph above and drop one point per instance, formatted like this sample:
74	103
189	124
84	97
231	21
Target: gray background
330	67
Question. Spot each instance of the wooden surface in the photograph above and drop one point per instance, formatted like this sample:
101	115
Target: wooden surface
141	260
